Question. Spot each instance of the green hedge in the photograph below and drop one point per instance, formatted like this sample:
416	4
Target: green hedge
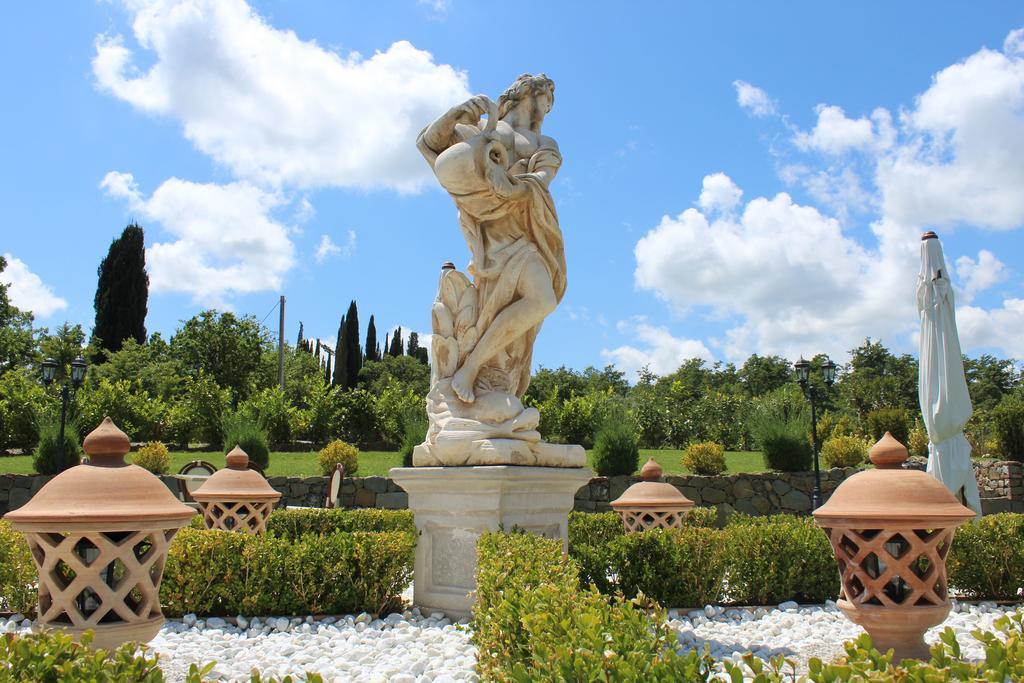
987	558
17	572
533	622
322	521
675	567
223	573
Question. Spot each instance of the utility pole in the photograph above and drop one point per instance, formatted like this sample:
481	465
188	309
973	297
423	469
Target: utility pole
280	345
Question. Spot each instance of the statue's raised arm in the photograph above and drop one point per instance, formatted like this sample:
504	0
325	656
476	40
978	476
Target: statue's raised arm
497	171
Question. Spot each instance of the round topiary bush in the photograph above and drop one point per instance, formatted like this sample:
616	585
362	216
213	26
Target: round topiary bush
787	451
844	451
616	450
47	459
336	452
704	458
154	457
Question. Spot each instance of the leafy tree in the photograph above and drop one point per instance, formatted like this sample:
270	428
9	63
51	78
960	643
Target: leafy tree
224	347
64	345
396	343
122	293
762	374
149	367
560	383
17	344
406	372
876	378
372	348
415	350
989	379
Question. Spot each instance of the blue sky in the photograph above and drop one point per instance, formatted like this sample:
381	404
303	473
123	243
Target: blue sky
737	177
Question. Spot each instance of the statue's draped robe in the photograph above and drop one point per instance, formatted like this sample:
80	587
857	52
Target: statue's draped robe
496	272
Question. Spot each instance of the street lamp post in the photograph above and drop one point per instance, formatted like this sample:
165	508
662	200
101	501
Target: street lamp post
77	377
803	376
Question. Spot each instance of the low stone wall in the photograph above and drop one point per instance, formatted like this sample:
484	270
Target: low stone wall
766	493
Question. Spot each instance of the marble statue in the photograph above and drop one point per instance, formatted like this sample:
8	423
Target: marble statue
498	172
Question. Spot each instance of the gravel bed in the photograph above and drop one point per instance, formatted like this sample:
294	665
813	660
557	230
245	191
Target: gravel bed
801	632
415	648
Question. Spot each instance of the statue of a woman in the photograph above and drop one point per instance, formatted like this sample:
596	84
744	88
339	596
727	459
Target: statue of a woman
498	173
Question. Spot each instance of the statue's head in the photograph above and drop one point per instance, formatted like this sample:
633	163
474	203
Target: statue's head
527	86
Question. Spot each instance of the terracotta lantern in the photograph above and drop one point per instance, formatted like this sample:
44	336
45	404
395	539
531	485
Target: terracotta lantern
891	530
651	504
99	534
236	498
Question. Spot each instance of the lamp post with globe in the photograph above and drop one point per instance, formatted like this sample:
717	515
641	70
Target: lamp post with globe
803	376
77	377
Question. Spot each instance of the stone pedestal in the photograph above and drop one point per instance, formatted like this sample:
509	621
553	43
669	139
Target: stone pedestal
455	505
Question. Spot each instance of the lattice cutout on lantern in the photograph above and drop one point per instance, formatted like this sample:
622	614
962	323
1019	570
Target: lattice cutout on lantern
643	520
244	517
892	568
95	578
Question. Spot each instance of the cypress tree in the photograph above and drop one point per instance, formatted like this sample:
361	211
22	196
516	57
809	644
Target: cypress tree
340	358
298	342
412	347
353	352
396	344
372	350
122	292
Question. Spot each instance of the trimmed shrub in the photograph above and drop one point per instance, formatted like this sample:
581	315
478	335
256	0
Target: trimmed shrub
56	656
917	442
844	451
986	561
17	572
704	458
336	452
222	573
590	538
293	524
47	457
778	558
154	457
249	436
415	434
786	448
616	450
1008	424
896	421
676	567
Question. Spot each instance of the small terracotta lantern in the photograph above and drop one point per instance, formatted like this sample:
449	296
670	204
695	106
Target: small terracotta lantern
651	504
99	534
891	530
236	498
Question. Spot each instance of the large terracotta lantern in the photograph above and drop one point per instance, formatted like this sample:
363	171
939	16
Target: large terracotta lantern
891	530
652	504
236	498
99	534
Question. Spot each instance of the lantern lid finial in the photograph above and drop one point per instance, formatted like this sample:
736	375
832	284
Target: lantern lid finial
107	445
651	471
237	459
888	453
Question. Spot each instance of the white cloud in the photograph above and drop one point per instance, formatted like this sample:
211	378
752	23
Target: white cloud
834	133
960	161
328	248
794	280
978	275
661	351
226	241
753	99
1000	328
27	290
719	193
276	109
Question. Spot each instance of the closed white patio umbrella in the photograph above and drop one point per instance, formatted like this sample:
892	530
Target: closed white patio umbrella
942	386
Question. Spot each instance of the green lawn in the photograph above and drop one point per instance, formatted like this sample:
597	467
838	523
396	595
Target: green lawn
379	462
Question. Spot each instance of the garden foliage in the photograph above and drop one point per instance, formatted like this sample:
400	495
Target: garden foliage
615	449
224	573
1008	423
339	452
250	436
154	457
896	421
844	451
47	458
17	572
704	458
294	524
